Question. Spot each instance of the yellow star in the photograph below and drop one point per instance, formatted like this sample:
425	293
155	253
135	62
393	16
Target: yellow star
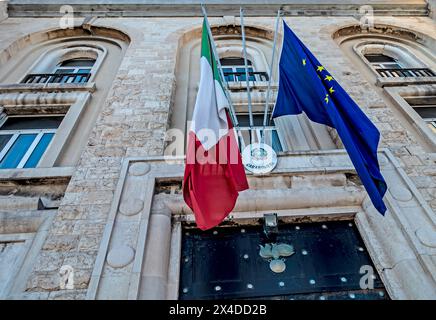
328	78
320	68
326	98
331	90
304	62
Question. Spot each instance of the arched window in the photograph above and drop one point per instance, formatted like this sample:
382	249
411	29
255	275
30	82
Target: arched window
74	64
289	133
388	66
234	71
404	67
49	124
391	60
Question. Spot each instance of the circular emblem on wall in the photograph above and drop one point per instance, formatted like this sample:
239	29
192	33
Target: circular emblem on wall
259	158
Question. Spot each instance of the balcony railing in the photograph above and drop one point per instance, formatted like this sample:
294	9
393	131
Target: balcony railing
57	78
239	76
403	72
268	135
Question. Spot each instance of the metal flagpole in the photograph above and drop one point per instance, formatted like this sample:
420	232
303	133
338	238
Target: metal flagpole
215	53
247	80
224	81
272	111
268	91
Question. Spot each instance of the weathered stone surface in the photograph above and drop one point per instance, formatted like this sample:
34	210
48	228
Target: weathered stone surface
49	261
43	281
89	243
67	295
61	243
80	260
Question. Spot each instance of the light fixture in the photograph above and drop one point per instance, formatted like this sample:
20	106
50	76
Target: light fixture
270	225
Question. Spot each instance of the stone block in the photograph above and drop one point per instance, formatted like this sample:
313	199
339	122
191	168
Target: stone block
61	243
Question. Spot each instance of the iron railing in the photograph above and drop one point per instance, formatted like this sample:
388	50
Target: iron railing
405	72
57	78
267	134
237	76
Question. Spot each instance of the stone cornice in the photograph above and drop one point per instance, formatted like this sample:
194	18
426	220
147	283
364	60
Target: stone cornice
189	8
47	87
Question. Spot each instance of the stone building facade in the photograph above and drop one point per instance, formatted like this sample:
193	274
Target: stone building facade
99	215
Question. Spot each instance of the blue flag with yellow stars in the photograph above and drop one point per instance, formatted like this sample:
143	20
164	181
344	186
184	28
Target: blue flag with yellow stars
306	86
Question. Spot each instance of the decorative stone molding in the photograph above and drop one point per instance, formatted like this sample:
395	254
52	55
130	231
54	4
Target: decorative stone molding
139	169
378	29
144	8
47	87
432	8
391	82
99	33
398	95
120	256
27	229
131	207
3	10
299	189
72	104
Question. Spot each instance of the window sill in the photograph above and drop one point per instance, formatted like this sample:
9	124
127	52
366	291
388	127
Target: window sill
63	173
47	87
391	82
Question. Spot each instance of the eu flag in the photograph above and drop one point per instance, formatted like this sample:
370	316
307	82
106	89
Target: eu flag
306	86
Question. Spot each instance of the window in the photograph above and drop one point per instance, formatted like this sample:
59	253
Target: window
269	133
234	70
68	71
428	114
382	61
74	70
24	140
389	67
426	108
79	66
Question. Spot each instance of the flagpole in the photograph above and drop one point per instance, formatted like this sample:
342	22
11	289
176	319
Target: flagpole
239	136
247	80
215	53
271	66
272	111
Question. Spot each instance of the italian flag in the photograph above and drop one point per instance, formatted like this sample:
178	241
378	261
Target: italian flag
214	173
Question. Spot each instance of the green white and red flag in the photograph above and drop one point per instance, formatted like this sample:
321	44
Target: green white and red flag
214	173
